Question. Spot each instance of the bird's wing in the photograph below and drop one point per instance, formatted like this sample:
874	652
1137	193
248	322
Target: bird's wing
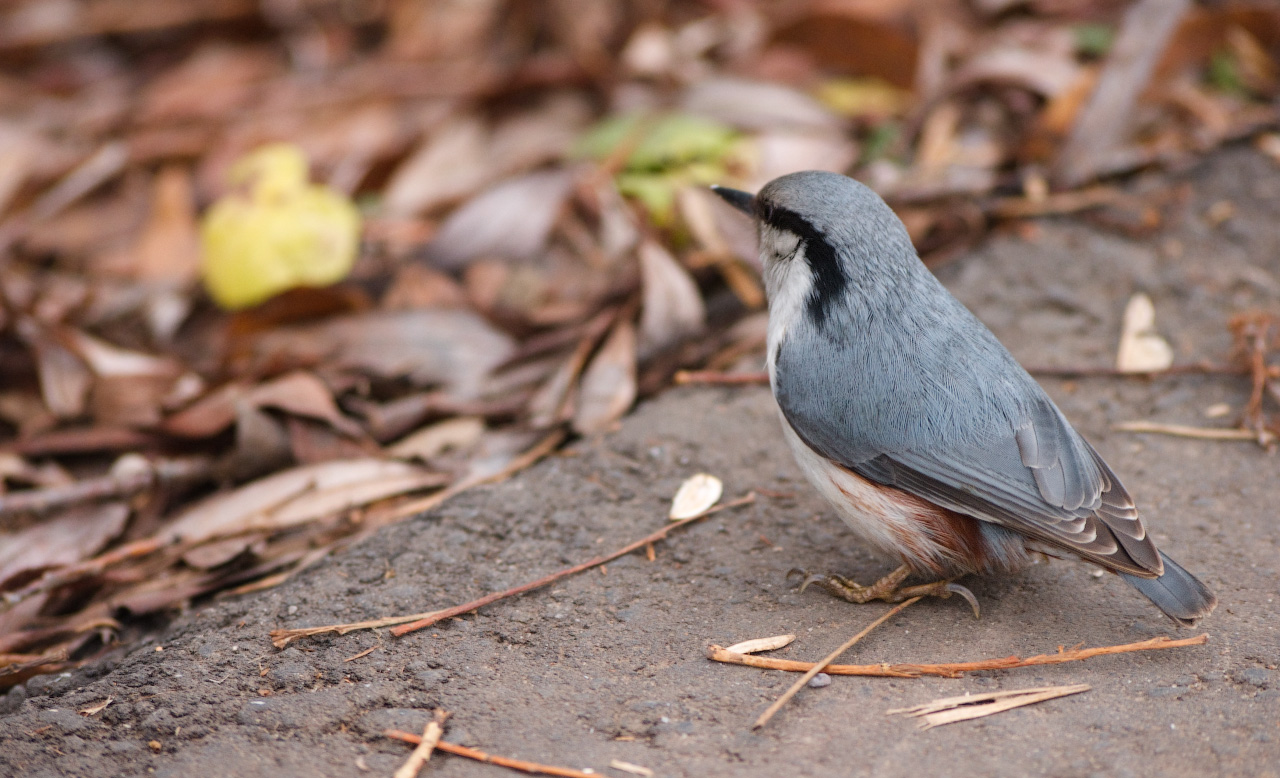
1025	469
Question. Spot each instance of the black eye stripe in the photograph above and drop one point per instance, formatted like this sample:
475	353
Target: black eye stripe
829	277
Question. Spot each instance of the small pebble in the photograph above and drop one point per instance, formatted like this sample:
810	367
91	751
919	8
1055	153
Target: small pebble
820	680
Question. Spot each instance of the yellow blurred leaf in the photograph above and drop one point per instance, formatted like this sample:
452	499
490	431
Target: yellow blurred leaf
280	233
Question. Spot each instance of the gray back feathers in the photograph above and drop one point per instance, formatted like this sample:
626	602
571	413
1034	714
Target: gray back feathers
889	375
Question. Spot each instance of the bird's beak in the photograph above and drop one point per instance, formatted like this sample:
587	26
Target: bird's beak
743	201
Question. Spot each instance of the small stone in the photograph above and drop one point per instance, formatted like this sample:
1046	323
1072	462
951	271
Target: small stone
820	680
1255	676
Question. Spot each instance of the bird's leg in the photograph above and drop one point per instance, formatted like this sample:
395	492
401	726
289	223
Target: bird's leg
888	588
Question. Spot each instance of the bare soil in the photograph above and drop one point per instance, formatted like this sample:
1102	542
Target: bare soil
609	665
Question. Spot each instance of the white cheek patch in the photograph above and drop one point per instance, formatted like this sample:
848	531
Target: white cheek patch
776	244
788	281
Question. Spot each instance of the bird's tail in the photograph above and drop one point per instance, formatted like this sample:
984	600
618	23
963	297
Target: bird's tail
1182	596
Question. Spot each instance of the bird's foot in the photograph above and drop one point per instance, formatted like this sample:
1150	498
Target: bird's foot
887	589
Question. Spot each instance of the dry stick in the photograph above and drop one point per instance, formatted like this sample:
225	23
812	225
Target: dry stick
501	761
426	744
817	668
458	610
1191	368
715	378
954	669
283	637
1184	431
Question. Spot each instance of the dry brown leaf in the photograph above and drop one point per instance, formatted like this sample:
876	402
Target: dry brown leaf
104	165
1142	350
297	496
106	359
17	146
302	394
779	152
64	379
299	393
448	166
512	220
695	495
207	556
69	537
418	286
608	386
168	251
672	308
454	348
460	433
757	105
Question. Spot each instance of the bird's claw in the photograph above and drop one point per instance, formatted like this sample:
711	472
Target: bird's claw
956	588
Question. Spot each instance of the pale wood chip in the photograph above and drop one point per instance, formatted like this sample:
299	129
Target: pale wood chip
627	767
757	645
695	495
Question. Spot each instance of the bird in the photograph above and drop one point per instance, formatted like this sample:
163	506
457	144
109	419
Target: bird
925	434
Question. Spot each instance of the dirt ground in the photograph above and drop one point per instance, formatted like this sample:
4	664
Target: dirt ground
609	665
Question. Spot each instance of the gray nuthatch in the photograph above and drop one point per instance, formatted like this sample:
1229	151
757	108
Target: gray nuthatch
906	413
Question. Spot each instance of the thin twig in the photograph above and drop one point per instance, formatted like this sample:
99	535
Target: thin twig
502	761
716	378
1184	431
817	668
283	637
426	744
458	610
953	669
1102	371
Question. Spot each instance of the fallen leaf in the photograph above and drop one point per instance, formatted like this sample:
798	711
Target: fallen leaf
758	105
454	348
695	495
168	250
64	379
672	308
511	220
952	709
299	393
608	386
1142	350
297	496
449	165
216	553
65	539
757	645
460	433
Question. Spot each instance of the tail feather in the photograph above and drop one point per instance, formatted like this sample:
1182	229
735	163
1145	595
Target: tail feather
1182	596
